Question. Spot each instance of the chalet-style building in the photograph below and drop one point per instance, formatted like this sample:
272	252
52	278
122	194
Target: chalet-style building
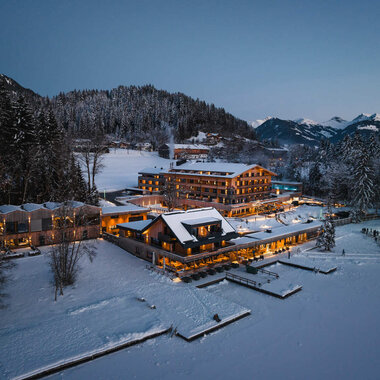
37	224
184	151
222	182
183	232
112	216
188	241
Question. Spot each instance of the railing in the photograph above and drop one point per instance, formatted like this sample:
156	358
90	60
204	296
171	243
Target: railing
268	272
241	280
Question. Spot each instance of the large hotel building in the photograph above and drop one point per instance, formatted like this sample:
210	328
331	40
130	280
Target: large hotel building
225	183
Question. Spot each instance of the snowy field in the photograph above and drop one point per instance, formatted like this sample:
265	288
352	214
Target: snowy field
122	165
326	331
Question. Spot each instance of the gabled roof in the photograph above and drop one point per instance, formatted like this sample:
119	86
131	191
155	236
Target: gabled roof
6	209
32	206
177	220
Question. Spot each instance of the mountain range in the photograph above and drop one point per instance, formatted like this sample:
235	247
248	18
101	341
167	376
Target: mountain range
310	132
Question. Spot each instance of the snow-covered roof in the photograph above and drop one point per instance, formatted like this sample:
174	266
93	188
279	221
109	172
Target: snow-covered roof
29	207
5	209
152	170
285	230
176	221
52	205
200	221
32	206
75	204
138	225
190	146
128	208
216	169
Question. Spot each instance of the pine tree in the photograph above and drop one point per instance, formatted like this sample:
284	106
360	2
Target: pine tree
363	185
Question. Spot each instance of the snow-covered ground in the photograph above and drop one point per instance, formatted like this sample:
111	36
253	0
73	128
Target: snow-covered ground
328	330
101	311
121	167
298	214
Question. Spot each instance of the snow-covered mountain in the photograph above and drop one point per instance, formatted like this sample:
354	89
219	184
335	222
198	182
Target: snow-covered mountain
310	132
288	132
258	122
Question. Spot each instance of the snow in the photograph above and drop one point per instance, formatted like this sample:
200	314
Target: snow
283	231
232	169
101	311
5	209
137	225
200	137
326	331
32	206
311	263
305	121
128	208
373	128
105	203
176	220
190	146
298	214
121	167
335	122
258	122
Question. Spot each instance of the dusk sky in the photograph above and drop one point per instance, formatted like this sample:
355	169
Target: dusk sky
290	59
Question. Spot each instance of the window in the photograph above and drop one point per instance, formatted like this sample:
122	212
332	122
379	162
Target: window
23	226
11	227
46	224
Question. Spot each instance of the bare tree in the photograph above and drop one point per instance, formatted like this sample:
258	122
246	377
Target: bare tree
91	155
5	267
67	253
171	193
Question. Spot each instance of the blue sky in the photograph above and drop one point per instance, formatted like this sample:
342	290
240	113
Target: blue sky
290	59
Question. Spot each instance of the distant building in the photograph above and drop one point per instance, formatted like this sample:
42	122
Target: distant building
184	151
147	147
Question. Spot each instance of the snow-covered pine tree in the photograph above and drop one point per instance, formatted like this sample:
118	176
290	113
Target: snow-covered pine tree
363	185
326	237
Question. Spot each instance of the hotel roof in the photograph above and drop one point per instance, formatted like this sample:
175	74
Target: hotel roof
216	169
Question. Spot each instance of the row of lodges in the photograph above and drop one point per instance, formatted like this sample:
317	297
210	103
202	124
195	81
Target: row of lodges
38	224
201	238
